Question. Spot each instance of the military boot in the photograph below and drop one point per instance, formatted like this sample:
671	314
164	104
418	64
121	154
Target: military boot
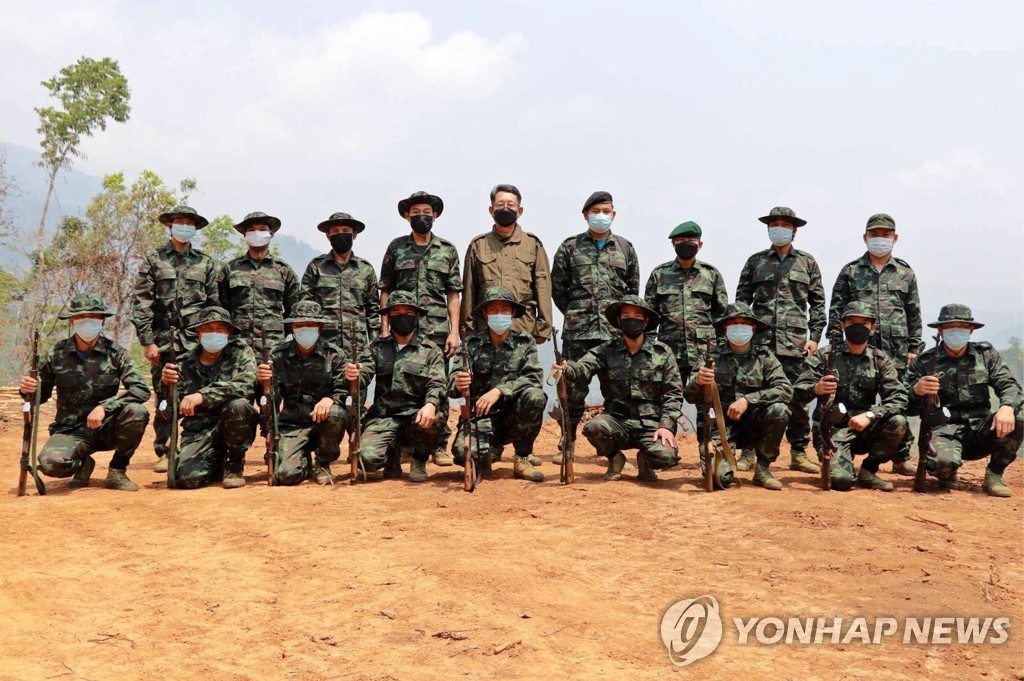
81	477
763	476
799	462
904	467
994	485
443	458
536	461
746	460
526	470
950	482
616	463
161	465
393	466
233	478
322	474
866	478
644	471
418	471
119	480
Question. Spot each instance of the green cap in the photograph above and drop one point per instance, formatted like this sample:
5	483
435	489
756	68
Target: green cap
860	309
688	228
494	293
184	212
208	315
433	201
307	311
783	213
341	219
880	221
739	311
612	312
258	218
955	312
86	303
397	298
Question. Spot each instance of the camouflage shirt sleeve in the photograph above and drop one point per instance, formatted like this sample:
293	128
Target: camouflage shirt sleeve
46	377
387	269
651	297
632	272
814	369
136	389
914	322
339	386
309	280
890	388
142	307
372	303
672	397
693	393
840	297
216	284
777	387
588	365
236	380
816	303
745	285
1001	379
917	369
530	374
437	393
561	277
292	289
454	283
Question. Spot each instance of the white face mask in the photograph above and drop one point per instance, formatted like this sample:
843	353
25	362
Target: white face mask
880	246
955	339
599	222
259	238
306	336
739	334
87	329
780	236
183	234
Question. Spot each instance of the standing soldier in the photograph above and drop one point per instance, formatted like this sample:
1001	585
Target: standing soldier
783	287
507	382
91	415
889	286
514	259
174	283
426	266
261	289
591	271
344	285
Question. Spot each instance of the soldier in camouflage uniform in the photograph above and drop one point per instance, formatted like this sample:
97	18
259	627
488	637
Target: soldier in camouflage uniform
755	392
591	271
964	372
411	393
783	287
889	286
260	289
345	286
174	283
510	257
91	415
426	266
308	374
643	392
215	387
507	383
859	425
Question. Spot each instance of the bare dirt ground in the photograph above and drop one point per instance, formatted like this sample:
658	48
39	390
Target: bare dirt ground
389	580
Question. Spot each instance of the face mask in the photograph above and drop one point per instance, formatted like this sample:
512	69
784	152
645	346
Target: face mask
857	333
213	342
599	222
183	233
739	334
632	328
306	337
341	243
879	246
421	224
259	238
87	329
499	323
955	339
403	324
506	217
686	250
780	236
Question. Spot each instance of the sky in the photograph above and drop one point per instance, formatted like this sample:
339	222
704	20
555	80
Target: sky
708	111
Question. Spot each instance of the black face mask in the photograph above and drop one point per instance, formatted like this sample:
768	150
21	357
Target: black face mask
857	333
403	324
341	243
632	328
506	216
686	250
421	224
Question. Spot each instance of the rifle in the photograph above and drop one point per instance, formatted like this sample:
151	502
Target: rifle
471	474
723	433
268	412
925	448
566	474
825	417
355	462
712	456
172	440
30	432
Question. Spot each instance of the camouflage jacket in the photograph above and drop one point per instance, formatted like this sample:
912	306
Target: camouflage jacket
511	366
84	383
756	375
429	272
782	292
303	381
407	379
171	287
585	280
688	299
345	292
232	377
644	386
892	294
518	263
964	387
861	378
260	294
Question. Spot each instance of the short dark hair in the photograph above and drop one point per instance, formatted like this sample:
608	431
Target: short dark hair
509	188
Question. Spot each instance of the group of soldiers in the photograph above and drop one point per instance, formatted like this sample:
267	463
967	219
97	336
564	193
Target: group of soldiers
221	335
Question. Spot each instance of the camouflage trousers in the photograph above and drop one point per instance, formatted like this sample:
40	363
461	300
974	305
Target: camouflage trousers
577	388
798	430
214	443
611	434
971	440
880	440
161	420
64	453
515	419
760	428
384	436
297	443
442	414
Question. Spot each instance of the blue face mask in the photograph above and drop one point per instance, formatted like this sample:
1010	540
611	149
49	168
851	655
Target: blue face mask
780	236
87	329
183	233
213	342
599	222
955	339
306	337
880	246
499	323
739	334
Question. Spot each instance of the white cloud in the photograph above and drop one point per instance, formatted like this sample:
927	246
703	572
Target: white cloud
958	165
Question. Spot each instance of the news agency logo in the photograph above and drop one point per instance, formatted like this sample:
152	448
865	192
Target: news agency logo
691	630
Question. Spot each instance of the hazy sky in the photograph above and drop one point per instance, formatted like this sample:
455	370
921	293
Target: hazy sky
706	111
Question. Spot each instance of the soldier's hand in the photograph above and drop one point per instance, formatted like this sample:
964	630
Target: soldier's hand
1003	422
264	373
738	408
559	368
859	422
928	385
451	344
352	371
27	385
826	385
810	347
485	403
463	379
910	358
189	403
426	416
666	436
95	418
705	376
321	410
169	374
152	353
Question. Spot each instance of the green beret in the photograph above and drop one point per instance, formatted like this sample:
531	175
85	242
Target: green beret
688	228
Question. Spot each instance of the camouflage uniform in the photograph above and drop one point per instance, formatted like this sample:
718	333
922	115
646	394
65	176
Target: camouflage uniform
346	291
430	273
260	294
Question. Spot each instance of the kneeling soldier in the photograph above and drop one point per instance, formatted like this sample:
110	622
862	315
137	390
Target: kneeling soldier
753	384
859	425
215	383
307	373
507	383
91	416
642	388
410	402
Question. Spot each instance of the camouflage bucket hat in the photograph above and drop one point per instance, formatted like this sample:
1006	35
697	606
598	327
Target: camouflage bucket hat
494	293
258	218
307	311
433	201
739	311
955	312
612	312
783	213
209	315
880	221
341	219
860	309
402	298
184	212
86	303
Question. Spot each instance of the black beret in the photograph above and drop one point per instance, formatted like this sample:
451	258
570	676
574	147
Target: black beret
595	198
